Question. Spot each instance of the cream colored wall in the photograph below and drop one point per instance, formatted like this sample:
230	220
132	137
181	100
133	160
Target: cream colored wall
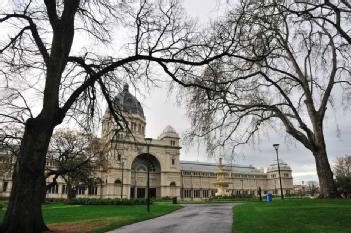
273	183
164	152
161	150
247	183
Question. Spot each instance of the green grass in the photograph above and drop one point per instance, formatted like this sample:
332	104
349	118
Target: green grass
294	216
99	218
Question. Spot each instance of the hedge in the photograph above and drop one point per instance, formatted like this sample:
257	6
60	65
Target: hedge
106	201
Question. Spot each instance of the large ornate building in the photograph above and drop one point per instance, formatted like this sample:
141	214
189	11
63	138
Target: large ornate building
130	155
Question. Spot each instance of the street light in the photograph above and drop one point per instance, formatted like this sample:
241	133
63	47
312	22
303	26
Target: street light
121	160
276	147
148	142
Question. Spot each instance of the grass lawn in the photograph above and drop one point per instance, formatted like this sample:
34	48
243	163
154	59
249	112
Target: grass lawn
294	216
77	218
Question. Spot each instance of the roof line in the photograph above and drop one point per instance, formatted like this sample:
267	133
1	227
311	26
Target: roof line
214	164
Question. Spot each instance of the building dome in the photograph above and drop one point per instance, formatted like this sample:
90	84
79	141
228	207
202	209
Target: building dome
169	132
283	166
128	103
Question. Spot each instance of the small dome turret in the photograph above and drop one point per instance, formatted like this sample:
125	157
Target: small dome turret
169	132
274	166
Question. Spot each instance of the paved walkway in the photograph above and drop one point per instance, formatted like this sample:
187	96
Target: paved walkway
215	218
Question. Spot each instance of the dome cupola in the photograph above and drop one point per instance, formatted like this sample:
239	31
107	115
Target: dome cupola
132	112
128	103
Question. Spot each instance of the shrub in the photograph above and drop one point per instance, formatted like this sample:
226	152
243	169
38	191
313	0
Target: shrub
164	199
106	201
233	198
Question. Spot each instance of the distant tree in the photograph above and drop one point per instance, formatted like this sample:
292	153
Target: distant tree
75	157
312	187
343	184
10	139
343	166
342	171
6	162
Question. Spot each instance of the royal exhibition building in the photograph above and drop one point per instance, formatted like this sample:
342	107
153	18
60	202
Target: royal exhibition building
127	172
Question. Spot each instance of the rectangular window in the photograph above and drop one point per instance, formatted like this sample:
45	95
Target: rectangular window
92	190
187	193
52	189
81	190
4	186
196	193
172	143
64	189
173	161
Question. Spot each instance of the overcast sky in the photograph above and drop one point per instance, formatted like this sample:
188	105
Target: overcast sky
161	110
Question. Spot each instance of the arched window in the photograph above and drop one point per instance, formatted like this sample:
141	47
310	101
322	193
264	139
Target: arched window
118	182
141	168
173	184
143	161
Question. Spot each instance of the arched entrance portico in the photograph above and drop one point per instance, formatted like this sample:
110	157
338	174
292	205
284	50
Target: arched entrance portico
139	176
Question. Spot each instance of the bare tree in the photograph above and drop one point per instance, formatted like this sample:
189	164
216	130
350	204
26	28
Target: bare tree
342	171
282	76
312	187
75	157
335	13
6	161
10	139
44	79
343	166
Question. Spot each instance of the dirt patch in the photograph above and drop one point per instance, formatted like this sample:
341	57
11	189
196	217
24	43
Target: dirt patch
73	227
81	227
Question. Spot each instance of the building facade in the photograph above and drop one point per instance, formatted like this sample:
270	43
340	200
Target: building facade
130	156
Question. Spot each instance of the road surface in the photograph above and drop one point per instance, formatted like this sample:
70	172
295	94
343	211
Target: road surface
214	218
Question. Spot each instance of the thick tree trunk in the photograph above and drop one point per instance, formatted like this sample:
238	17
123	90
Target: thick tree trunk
24	213
325	175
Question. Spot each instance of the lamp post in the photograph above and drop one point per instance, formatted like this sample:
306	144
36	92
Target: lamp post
276	147
121	160
122	164
148	142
